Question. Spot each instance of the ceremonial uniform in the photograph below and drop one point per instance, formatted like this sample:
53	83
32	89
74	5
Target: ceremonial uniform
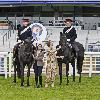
27	33
50	68
71	35
24	35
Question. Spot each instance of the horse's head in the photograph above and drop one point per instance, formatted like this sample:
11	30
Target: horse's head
26	50
64	45
63	41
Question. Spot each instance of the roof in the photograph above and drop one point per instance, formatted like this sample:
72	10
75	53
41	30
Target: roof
24	2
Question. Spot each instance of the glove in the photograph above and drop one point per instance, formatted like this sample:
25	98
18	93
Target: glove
70	45
68	40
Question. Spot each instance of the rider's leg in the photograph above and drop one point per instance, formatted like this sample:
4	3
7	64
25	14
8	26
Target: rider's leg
67	70
75	47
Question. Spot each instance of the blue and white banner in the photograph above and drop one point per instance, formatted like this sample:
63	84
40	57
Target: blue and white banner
39	32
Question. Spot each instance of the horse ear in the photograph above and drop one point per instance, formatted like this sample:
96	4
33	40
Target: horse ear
61	33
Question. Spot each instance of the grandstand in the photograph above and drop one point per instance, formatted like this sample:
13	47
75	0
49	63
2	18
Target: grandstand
85	13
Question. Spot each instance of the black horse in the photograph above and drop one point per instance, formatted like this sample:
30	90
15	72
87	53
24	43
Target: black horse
69	57
24	58
16	62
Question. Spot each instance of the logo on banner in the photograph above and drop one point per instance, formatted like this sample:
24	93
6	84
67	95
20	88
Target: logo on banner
38	32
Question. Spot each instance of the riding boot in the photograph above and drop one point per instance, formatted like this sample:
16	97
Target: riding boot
60	80
40	80
36	80
75	47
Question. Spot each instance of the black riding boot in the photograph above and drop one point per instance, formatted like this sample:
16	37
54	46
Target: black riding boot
36	80
75	47
40	80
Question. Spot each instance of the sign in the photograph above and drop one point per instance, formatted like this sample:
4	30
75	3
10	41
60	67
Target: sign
39	32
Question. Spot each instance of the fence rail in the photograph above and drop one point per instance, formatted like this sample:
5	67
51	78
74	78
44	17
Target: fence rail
91	64
7	35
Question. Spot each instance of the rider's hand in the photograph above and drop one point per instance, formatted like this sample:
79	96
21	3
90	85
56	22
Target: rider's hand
68	40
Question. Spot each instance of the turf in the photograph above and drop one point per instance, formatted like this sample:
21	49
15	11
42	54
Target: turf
88	89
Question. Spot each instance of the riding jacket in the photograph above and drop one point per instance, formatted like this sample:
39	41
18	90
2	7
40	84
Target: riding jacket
24	35
71	34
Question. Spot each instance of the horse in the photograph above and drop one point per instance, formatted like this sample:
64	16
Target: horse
69	56
16	63
25	58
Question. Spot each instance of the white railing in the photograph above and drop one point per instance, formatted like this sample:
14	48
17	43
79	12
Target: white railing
91	64
3	63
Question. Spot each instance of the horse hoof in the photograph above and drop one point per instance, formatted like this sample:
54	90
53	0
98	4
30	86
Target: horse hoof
67	81
14	81
28	85
67	84
22	84
37	86
79	81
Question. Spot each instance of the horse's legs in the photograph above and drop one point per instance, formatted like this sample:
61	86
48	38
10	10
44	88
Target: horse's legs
28	74
60	71
18	69
14	72
73	65
79	67
80	78
67	70
22	74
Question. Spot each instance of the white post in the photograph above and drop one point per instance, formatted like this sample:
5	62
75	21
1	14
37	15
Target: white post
5	66
90	69
70	69
10	63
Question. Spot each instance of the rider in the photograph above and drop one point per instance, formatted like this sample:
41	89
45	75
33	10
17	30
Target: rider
22	37
27	33
70	33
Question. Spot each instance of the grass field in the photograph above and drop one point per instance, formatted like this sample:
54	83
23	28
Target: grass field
89	89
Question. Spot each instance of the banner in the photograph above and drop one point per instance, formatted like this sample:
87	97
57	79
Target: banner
39	32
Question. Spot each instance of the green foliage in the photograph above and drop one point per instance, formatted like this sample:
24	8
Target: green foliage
88	89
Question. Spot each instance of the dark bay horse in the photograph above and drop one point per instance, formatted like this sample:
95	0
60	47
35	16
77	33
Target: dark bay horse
24	58
69	57
16	62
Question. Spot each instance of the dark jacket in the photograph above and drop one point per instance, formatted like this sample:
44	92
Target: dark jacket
71	34
24	35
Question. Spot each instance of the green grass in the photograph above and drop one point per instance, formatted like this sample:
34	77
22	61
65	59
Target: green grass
88	89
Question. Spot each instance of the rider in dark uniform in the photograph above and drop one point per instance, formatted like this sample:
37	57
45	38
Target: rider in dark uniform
70	33
24	35
27	33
